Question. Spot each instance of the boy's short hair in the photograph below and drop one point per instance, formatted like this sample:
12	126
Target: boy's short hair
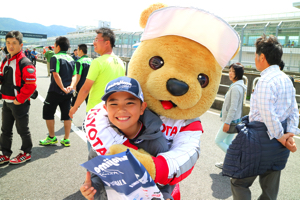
15	34
83	48
63	43
123	84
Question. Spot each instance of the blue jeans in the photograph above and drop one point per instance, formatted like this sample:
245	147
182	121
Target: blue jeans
223	139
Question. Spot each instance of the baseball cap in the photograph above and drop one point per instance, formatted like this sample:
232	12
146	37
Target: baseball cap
123	84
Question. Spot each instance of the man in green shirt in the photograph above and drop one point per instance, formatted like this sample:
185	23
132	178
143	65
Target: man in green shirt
82	67
102	70
49	55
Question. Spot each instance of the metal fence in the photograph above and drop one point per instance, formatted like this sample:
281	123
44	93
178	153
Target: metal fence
245	82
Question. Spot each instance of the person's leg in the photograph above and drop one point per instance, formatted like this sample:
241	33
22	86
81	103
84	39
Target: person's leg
269	183
6	129
220	137
67	125
48	68
228	139
49	108
20	113
240	188
50	125
65	106
34	61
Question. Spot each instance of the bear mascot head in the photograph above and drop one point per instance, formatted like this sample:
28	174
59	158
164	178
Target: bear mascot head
180	59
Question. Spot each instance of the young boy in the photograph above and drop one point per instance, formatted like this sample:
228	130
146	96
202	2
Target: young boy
126	111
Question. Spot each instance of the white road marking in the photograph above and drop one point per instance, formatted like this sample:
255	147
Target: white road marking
213	112
80	133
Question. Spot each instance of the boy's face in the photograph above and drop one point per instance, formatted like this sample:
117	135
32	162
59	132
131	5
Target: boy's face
56	48
80	53
124	111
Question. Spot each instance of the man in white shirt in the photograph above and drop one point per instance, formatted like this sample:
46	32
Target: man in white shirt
272	104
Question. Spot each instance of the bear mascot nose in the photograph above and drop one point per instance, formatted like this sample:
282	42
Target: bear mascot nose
176	87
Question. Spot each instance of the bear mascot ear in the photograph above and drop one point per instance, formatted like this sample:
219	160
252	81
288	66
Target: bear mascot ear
147	12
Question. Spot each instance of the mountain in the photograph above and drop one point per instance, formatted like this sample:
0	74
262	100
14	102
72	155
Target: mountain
8	24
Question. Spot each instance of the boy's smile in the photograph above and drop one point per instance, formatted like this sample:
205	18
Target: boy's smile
124	111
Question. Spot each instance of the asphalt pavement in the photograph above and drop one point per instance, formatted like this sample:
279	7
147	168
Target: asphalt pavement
54	172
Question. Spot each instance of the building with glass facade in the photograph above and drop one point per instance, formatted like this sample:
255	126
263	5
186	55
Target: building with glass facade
285	26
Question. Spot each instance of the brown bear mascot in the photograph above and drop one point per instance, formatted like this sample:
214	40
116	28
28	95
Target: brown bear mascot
179	65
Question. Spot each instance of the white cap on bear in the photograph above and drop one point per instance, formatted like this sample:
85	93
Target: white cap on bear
201	26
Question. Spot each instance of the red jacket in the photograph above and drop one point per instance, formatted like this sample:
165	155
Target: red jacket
18	77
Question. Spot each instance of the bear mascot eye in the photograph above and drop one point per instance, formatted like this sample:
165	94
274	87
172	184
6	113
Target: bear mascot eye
203	80
156	62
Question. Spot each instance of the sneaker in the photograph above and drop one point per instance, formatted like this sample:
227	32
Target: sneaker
219	165
22	157
48	141
3	159
65	142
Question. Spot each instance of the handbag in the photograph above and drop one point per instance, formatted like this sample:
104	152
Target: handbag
232	128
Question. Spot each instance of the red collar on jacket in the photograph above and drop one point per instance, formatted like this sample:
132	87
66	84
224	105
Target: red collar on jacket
16	56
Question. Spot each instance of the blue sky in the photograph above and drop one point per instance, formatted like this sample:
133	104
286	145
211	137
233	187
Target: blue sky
124	14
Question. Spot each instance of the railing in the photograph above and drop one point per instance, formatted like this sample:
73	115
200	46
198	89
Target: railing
254	83
246	83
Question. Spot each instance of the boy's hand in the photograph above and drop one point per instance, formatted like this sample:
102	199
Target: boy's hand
86	189
291	145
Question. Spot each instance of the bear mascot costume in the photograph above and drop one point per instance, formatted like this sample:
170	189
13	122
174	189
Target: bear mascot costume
179	65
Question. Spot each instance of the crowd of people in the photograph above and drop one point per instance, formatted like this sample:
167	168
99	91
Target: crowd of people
272	121
31	55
